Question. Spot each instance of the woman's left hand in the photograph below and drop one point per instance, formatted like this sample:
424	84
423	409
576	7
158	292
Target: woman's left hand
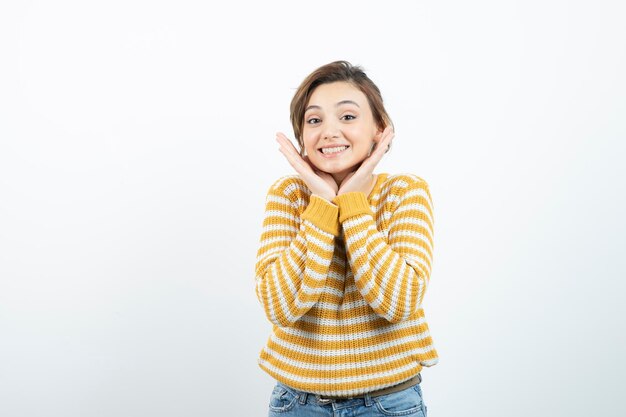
361	179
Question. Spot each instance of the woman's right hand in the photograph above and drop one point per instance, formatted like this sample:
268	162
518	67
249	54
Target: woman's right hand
320	183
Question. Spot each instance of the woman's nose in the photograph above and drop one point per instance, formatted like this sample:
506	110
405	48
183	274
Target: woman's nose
330	131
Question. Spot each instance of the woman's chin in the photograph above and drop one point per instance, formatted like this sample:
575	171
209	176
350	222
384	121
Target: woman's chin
336	168
335	172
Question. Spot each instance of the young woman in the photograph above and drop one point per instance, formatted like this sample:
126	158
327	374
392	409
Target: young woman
344	260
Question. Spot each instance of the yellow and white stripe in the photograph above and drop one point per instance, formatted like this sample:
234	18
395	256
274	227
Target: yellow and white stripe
343	285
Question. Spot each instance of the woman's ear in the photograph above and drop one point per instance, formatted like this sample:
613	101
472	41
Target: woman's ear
377	137
375	141
379	134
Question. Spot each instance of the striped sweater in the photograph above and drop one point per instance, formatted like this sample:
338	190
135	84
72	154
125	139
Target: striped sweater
343	285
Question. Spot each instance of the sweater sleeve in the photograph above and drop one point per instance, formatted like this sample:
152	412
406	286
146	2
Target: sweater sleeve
391	273
295	253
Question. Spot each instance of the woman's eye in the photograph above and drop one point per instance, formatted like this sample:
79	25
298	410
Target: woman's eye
313	120
349	117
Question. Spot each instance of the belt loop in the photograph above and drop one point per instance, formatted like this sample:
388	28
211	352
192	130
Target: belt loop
302	397
368	400
323	401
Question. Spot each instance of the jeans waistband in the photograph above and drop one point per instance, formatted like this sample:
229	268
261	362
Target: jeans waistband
325	399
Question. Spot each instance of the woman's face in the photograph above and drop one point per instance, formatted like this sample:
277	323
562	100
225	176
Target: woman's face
339	129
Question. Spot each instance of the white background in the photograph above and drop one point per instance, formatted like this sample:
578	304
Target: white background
137	145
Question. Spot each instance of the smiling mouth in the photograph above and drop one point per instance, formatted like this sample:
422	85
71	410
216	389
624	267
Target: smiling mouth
334	150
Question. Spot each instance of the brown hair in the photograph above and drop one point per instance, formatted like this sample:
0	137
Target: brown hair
329	73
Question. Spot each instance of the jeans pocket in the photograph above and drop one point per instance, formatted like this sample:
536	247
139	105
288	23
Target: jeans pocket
282	400
407	402
418	388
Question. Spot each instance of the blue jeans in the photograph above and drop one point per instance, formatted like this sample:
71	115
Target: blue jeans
289	402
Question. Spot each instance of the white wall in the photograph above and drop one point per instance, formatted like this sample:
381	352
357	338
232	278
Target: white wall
137	144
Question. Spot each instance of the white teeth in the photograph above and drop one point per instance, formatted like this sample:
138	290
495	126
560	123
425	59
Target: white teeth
334	150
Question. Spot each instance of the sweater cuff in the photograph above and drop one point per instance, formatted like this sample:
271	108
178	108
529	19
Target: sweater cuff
323	214
352	204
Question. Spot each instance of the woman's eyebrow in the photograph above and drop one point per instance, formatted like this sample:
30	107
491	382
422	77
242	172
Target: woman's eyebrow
347	102
314	106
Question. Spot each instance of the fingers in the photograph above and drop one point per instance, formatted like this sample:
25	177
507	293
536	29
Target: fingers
381	148
382	140
286	147
366	169
292	155
319	182
285	143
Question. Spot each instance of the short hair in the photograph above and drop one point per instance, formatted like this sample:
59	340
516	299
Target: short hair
333	72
